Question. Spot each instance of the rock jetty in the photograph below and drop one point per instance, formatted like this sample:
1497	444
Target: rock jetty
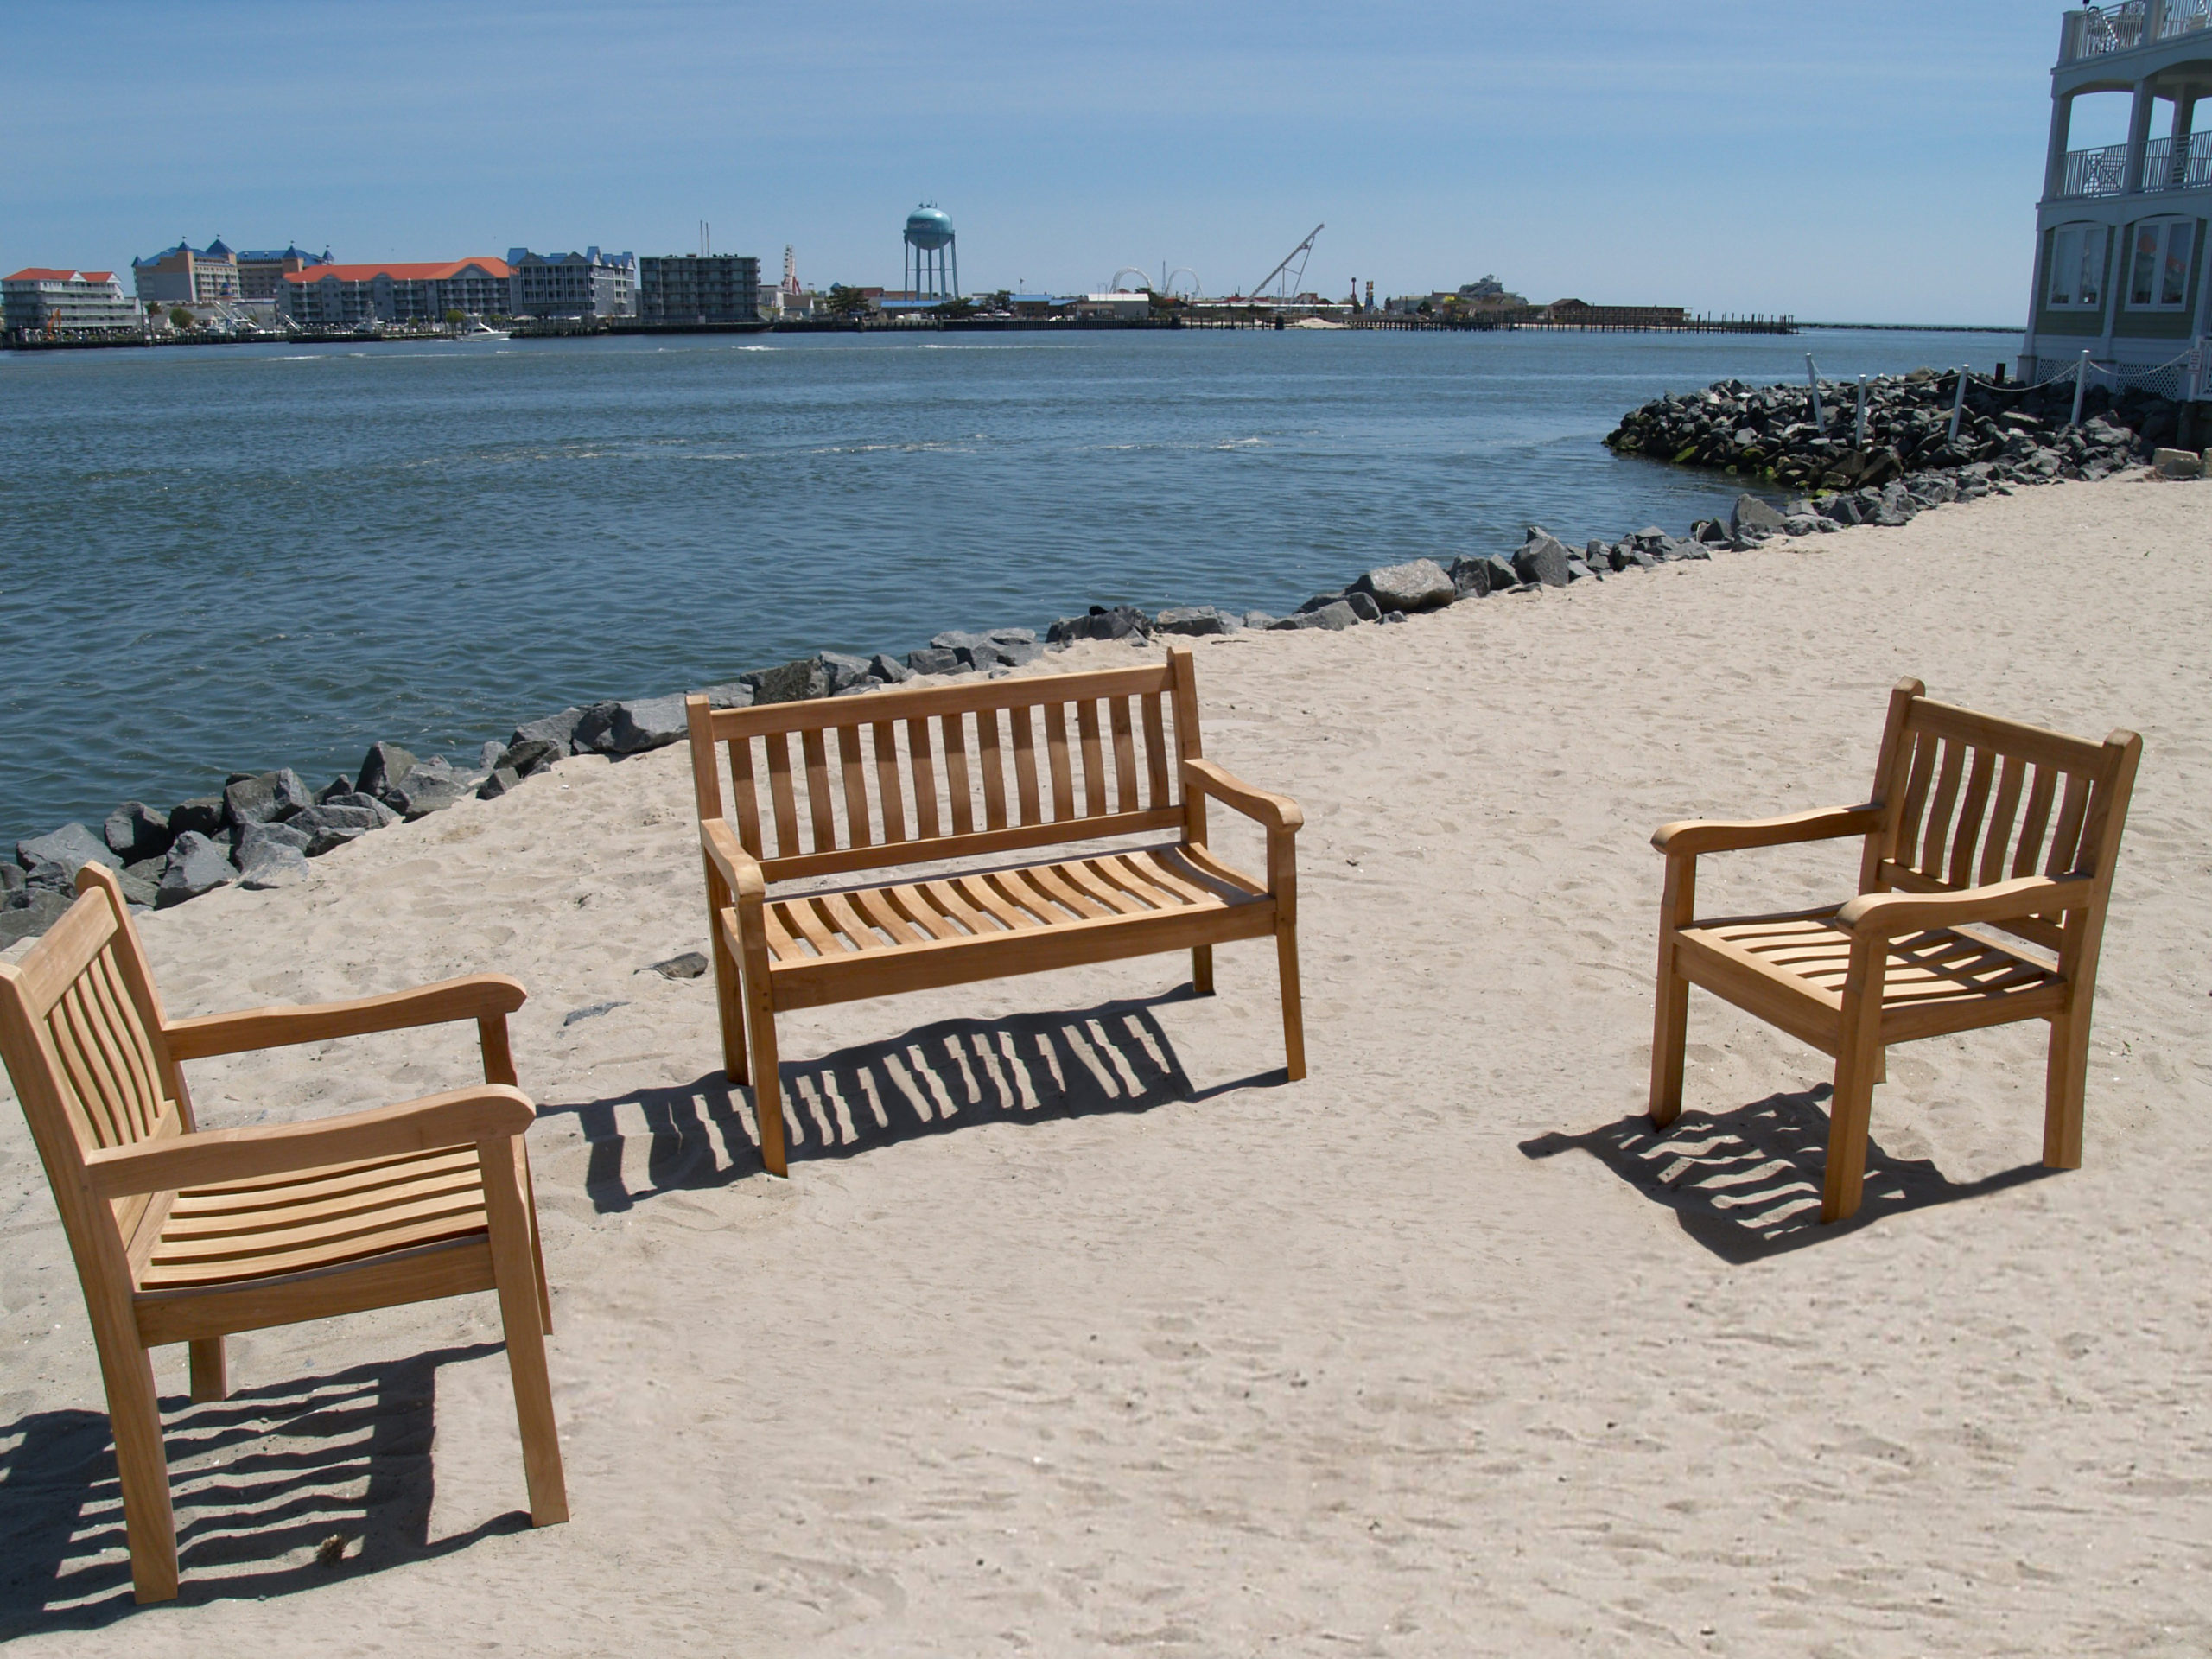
2019	434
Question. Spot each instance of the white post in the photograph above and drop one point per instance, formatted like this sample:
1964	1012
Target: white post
1859	431
1813	380
2080	388
1958	404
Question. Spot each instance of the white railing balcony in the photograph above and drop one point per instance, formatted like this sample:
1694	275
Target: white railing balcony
2095	172
2178	17
2096	31
2186	166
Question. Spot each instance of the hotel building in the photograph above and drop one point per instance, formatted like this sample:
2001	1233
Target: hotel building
47	302
342	296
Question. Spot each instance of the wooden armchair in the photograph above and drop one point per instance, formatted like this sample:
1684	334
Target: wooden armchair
1959	833
185	1235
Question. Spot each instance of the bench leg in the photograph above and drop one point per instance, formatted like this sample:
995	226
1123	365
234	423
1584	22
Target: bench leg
1294	1010
516	1275
767	1080
2065	1081
1201	969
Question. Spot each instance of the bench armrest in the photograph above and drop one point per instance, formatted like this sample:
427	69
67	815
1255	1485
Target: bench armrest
1692	837
479	996
460	1118
1885	915
1275	811
741	871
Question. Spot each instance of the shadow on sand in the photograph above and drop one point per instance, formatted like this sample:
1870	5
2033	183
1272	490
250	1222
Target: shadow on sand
955	1074
261	1482
1746	1184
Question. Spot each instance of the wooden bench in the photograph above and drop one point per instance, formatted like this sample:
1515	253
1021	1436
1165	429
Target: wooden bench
984	769
1974	822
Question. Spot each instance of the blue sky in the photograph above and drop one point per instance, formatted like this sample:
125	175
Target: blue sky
1874	161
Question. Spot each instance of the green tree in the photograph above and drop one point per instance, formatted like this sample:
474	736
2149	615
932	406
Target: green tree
180	319
455	317
845	302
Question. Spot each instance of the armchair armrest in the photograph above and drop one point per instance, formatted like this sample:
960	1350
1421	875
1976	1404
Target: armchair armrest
1691	837
741	871
1884	915
1275	811
459	1118
478	996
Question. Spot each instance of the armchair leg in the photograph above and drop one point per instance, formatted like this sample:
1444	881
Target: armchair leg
1669	1034
729	1002
210	1376
1293	1011
1859	1062
1201	969
142	1464
514	1270
2065	1083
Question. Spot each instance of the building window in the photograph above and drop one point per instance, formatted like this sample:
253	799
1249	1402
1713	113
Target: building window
2159	278
2077	266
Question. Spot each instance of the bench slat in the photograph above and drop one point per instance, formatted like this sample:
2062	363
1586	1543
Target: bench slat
1055	753
1155	751
989	762
1093	770
955	730
854	766
1125	756
885	737
923	765
780	794
1025	762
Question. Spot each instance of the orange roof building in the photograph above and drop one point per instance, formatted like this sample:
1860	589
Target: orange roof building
41	299
338	296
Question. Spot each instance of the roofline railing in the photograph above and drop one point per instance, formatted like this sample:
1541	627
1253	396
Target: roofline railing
2100	31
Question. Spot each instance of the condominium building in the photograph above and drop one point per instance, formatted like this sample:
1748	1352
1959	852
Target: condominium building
337	296
185	275
261	272
584	285
2120	231
696	287
47	301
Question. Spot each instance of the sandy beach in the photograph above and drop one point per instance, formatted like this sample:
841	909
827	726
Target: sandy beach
1103	1338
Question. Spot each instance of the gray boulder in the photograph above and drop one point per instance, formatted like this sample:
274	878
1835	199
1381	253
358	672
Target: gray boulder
1260	619
134	831
889	670
633	727
30	913
53	860
431	786
1752	516
266	798
196	865
1119	623
1197	620
1417	585
735	695
1579	570
12	880
142	882
497	782
334	788
1476	578
559	729
336	823
383	769
271	855
1334	614
202	814
989	654
933	659
959	640
528	758
1543	558
2176	463
788	681
844	672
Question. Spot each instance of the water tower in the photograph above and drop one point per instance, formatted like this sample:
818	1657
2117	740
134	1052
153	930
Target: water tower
932	255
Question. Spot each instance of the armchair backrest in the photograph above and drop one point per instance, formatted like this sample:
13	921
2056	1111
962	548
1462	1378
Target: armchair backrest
1970	800
944	771
81	1032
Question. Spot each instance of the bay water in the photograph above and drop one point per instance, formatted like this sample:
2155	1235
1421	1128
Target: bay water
231	558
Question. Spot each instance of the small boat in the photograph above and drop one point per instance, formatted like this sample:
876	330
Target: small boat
477	328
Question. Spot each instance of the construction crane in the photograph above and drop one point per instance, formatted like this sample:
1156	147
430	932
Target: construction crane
1290	279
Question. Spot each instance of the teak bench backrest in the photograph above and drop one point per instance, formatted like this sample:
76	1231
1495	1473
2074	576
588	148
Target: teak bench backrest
81	1028
1970	800
907	777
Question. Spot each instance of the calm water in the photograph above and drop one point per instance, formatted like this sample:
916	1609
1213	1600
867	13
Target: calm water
231	558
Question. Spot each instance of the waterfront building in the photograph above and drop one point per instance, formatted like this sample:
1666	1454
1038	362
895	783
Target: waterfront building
43	301
2120	231
261	272
343	296
699	288
571	284
1121	306
185	275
